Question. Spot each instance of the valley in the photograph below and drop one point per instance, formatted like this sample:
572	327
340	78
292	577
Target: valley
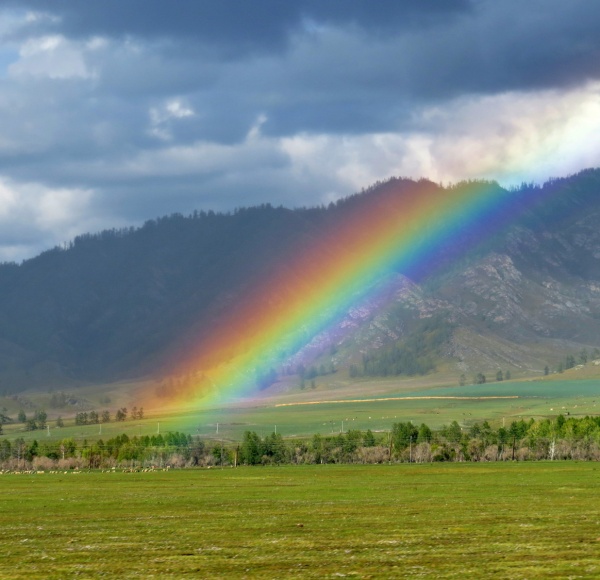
330	408
497	327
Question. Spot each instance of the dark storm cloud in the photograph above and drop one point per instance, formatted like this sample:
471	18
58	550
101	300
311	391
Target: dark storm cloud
453	45
121	110
236	24
338	66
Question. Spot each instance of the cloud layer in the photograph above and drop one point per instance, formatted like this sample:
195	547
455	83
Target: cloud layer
116	112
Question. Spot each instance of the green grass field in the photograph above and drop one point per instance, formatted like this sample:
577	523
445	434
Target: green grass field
535	520
362	405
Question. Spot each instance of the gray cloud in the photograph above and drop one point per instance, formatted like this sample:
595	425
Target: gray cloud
114	112
235	26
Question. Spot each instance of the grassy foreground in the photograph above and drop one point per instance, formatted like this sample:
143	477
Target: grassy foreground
536	520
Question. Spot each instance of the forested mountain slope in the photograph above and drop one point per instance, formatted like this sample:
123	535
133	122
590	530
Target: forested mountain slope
126	303
115	303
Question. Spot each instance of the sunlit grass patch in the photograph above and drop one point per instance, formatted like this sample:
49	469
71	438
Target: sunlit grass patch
523	520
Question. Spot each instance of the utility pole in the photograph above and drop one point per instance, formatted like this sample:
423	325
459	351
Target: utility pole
158	428
217	428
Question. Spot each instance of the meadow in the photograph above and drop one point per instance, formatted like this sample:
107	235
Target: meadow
362	405
503	520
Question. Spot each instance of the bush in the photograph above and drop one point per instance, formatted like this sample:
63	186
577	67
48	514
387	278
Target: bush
373	455
43	464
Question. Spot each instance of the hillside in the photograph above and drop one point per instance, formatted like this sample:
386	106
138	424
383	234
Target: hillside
116	303
522	301
127	303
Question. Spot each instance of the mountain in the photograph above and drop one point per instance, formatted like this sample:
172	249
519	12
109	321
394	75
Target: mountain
521	301
120	303
128	303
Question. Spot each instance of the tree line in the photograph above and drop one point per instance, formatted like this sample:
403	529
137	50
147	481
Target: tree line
546	439
173	449
39	419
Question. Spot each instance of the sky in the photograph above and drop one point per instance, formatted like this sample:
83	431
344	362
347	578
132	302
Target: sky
120	111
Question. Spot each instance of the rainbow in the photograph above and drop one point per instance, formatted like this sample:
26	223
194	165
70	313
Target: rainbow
402	226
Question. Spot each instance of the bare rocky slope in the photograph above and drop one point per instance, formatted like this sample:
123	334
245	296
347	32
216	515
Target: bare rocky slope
526	301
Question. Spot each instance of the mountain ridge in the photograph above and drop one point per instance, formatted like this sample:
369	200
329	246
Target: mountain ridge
126	303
